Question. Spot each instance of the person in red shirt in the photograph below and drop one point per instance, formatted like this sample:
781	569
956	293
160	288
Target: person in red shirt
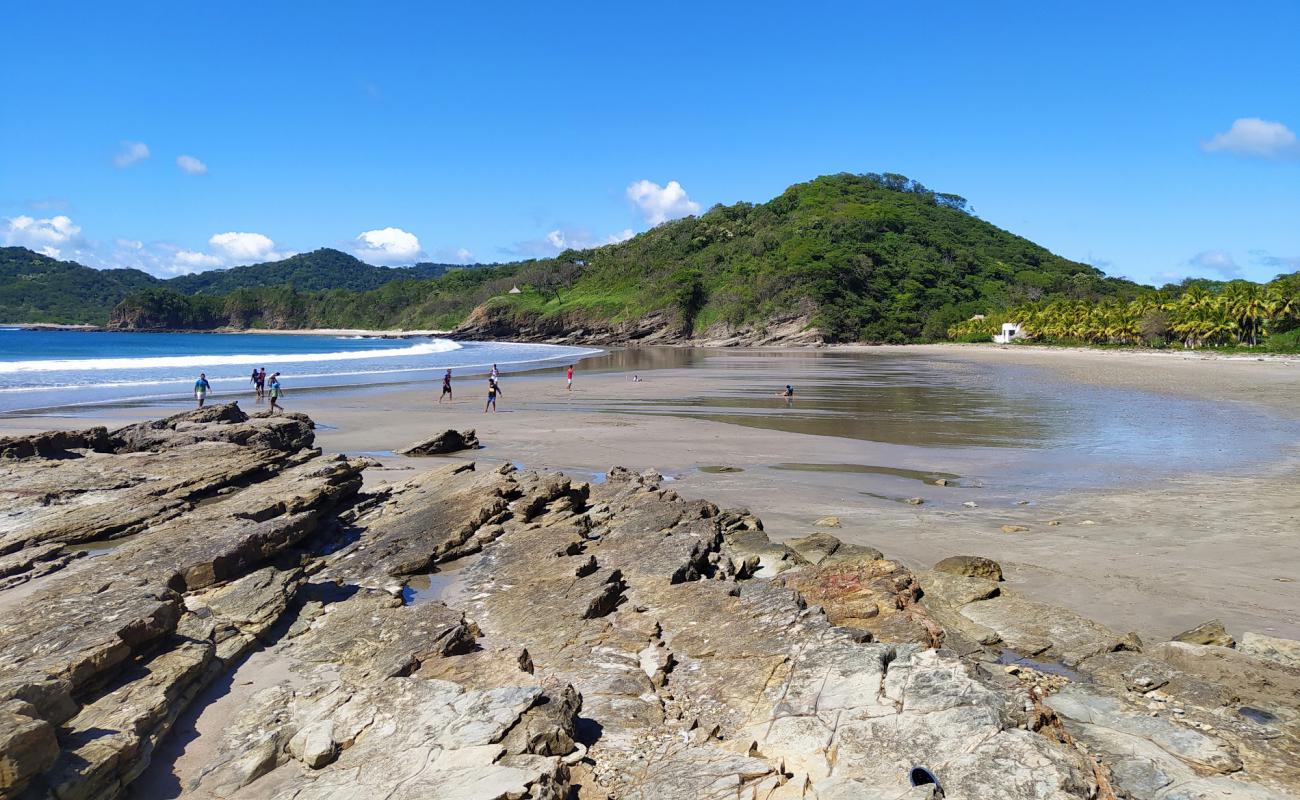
570	376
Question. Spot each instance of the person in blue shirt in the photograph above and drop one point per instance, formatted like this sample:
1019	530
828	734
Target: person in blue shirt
201	388
276	393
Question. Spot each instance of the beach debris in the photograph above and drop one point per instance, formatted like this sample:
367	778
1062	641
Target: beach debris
828	522
970	504
942	482
1014	529
448	441
971	566
1208	632
915	501
1054	523
1087	522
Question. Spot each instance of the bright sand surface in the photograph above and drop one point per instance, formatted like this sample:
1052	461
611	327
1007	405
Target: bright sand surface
1145	540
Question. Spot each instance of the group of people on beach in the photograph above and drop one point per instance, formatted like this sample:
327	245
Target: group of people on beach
493	387
270	387
262	386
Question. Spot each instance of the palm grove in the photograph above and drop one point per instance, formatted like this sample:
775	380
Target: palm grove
1198	313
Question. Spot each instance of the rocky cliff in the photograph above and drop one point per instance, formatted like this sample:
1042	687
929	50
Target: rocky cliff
206	606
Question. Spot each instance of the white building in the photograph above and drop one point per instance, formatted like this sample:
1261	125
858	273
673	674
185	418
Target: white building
1010	331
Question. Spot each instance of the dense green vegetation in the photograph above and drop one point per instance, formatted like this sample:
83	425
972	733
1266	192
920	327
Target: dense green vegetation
318	270
1196	313
36	288
862	257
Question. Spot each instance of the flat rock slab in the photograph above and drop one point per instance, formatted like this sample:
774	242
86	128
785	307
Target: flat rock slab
448	441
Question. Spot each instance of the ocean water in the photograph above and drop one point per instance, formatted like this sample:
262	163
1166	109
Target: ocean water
54	369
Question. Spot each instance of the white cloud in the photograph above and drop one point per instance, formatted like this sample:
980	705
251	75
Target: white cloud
130	153
48	236
191	165
1252	136
561	239
1218	262
244	248
192	261
659	204
464	256
387	246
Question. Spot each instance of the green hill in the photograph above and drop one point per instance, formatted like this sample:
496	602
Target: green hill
37	288
841	258
315	271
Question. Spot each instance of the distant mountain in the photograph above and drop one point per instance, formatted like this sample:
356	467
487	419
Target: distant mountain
37	288
316	271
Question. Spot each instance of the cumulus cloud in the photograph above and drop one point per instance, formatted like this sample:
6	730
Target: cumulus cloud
464	256
658	204
192	261
387	246
244	248
130	153
48	236
1218	262
191	165
1255	137
563	238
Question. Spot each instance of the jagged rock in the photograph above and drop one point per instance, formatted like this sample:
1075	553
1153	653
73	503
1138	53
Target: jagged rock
1283	651
971	566
1033	628
28	746
820	547
448	441
1211	632
877	596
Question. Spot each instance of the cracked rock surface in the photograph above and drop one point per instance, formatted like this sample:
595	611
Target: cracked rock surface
264	629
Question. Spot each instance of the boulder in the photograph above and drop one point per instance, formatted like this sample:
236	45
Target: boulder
971	567
1211	632
1283	651
448	441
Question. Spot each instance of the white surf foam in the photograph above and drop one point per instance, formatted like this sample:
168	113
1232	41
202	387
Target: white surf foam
210	361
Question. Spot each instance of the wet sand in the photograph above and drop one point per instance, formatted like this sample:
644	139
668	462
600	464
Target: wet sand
1154	535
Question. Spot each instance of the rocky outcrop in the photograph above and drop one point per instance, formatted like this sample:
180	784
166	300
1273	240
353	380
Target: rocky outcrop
495	320
487	633
446	442
1178	719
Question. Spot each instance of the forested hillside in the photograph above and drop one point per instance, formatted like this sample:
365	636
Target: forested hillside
37	288
847	257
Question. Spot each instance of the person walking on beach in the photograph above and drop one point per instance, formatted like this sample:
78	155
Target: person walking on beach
569	375
446	388
494	389
276	393
261	383
256	380
201	388
496	373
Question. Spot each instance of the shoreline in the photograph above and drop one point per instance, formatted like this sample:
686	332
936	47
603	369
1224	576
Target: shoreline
1158	555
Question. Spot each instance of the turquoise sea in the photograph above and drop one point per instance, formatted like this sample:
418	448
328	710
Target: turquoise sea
46	369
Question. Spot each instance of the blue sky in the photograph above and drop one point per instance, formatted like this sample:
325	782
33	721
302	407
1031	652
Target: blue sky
1155	140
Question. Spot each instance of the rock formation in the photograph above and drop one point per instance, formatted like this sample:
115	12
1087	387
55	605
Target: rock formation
446	442
488	633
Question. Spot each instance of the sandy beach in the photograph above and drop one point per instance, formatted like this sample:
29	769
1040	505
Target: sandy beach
1159	548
